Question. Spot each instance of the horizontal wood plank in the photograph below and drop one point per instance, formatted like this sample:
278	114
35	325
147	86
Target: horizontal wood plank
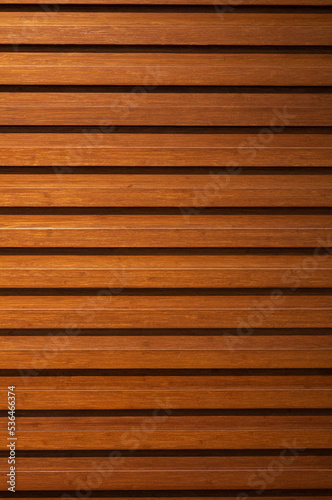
36	380
170	440
164	149
165	109
160	352
165	420
166	28
69	472
153	231
181	271
213	190
154	69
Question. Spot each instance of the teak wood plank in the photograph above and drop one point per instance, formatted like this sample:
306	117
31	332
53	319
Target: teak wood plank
160	352
170	440
103	148
169	479
166	28
166	231
161	109
176	399
164	420
29	380
153	69
181	271
213	190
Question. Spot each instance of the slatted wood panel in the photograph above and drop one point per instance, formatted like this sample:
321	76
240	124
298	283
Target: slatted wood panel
165	248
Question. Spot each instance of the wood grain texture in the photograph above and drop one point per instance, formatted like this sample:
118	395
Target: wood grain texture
165	420
161	109
181	271
117	469
166	28
158	352
164	149
166	231
154	69
169	440
211	190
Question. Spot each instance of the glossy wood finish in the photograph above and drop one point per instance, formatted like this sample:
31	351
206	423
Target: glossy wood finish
165	108
180	271
155	69
169	29
211	190
165	248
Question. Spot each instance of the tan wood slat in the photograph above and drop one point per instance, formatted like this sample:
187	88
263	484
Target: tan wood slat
213	190
166	231
180	271
154	69
161	352
166	28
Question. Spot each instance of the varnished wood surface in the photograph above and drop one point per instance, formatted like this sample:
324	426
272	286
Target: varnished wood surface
164	149
178	314
180	271
151	69
164	230
210	190
168	28
165	109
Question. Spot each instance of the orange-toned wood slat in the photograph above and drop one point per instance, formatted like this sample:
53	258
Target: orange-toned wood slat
154	69
160	109
166	420
179	399
182	28
168	440
164	149
135	473
180	271
241	380
212	190
154	231
159	352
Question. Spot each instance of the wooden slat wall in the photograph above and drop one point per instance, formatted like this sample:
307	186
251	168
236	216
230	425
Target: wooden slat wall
166	248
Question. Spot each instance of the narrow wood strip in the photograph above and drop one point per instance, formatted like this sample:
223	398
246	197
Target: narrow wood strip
114	311
165	190
168	399
29	380
165	271
166	28
164	420
158	109
125	463
146	149
196	479
170	440
164	69
166	231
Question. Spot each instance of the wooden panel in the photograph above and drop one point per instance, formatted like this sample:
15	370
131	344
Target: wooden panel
164	149
164	420
157	109
155	352
170	440
169	28
213	190
165	230
179	399
197	342
236	473
153	69
180	271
